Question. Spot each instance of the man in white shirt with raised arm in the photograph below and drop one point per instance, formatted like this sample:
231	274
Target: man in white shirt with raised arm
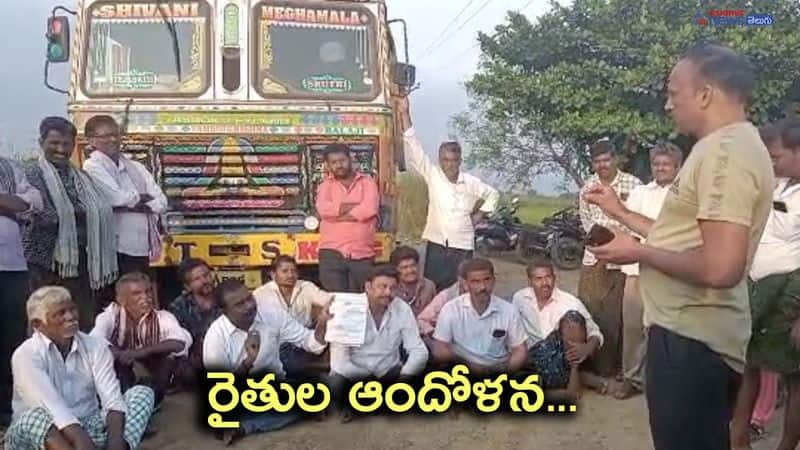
136	198
66	394
456	201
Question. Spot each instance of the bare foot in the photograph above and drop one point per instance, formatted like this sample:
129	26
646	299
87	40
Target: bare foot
624	390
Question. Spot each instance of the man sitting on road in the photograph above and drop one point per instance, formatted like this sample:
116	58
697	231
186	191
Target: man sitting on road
302	300
412	287
246	341
426	320
59	375
141	336
390	324
478	329
195	310
542	306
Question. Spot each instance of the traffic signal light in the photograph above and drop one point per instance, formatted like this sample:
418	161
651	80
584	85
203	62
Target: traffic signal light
57	39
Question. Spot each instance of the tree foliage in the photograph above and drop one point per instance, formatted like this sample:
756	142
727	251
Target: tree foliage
598	68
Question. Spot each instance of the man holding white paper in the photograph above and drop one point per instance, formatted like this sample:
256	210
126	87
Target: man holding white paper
390	323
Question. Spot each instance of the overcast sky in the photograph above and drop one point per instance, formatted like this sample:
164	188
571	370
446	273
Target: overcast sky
25	100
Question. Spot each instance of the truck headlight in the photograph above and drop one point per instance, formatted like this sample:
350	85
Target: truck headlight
311	223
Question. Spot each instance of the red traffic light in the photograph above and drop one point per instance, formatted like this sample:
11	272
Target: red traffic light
56	27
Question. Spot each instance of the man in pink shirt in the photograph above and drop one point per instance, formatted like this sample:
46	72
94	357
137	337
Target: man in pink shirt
347	204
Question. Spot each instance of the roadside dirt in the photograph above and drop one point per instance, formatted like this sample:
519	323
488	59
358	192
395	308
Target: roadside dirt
601	423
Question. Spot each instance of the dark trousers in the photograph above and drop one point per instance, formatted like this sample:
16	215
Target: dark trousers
87	300
441	264
340	274
14	288
128	264
690	393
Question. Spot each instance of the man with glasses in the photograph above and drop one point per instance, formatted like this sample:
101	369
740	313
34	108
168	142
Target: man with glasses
136	198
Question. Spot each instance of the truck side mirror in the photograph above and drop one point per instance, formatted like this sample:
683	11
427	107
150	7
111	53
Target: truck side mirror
405	75
57	39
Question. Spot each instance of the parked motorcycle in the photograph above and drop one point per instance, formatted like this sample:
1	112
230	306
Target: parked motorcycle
560	237
499	232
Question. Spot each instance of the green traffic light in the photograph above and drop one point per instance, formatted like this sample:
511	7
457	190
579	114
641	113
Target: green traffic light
55	51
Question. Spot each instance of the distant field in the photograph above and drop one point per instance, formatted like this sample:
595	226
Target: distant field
534	209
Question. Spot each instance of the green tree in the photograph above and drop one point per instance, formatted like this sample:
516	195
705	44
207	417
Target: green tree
598	68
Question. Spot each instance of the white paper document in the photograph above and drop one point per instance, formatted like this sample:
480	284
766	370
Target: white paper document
349	323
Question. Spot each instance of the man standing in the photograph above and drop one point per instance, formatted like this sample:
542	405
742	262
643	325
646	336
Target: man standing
66	395
136	198
601	285
17	197
347	204
698	251
390	324
478	329
139	334
665	161
412	287
456	201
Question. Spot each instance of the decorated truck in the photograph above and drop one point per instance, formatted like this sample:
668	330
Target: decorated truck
230	104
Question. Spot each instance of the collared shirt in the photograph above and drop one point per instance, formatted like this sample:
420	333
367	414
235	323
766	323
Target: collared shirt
223	348
193	319
12	256
426	320
646	200
354	240
450	205
116	183
485	339
779	249
623	184
168	327
381	349
539	323
299	305
418	296
68	388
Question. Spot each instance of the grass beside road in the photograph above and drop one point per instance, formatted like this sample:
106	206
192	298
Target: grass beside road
413	206
535	208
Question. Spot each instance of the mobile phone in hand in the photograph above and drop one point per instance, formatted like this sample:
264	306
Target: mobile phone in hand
599	235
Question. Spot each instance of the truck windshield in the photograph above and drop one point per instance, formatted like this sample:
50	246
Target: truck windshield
130	48
321	52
